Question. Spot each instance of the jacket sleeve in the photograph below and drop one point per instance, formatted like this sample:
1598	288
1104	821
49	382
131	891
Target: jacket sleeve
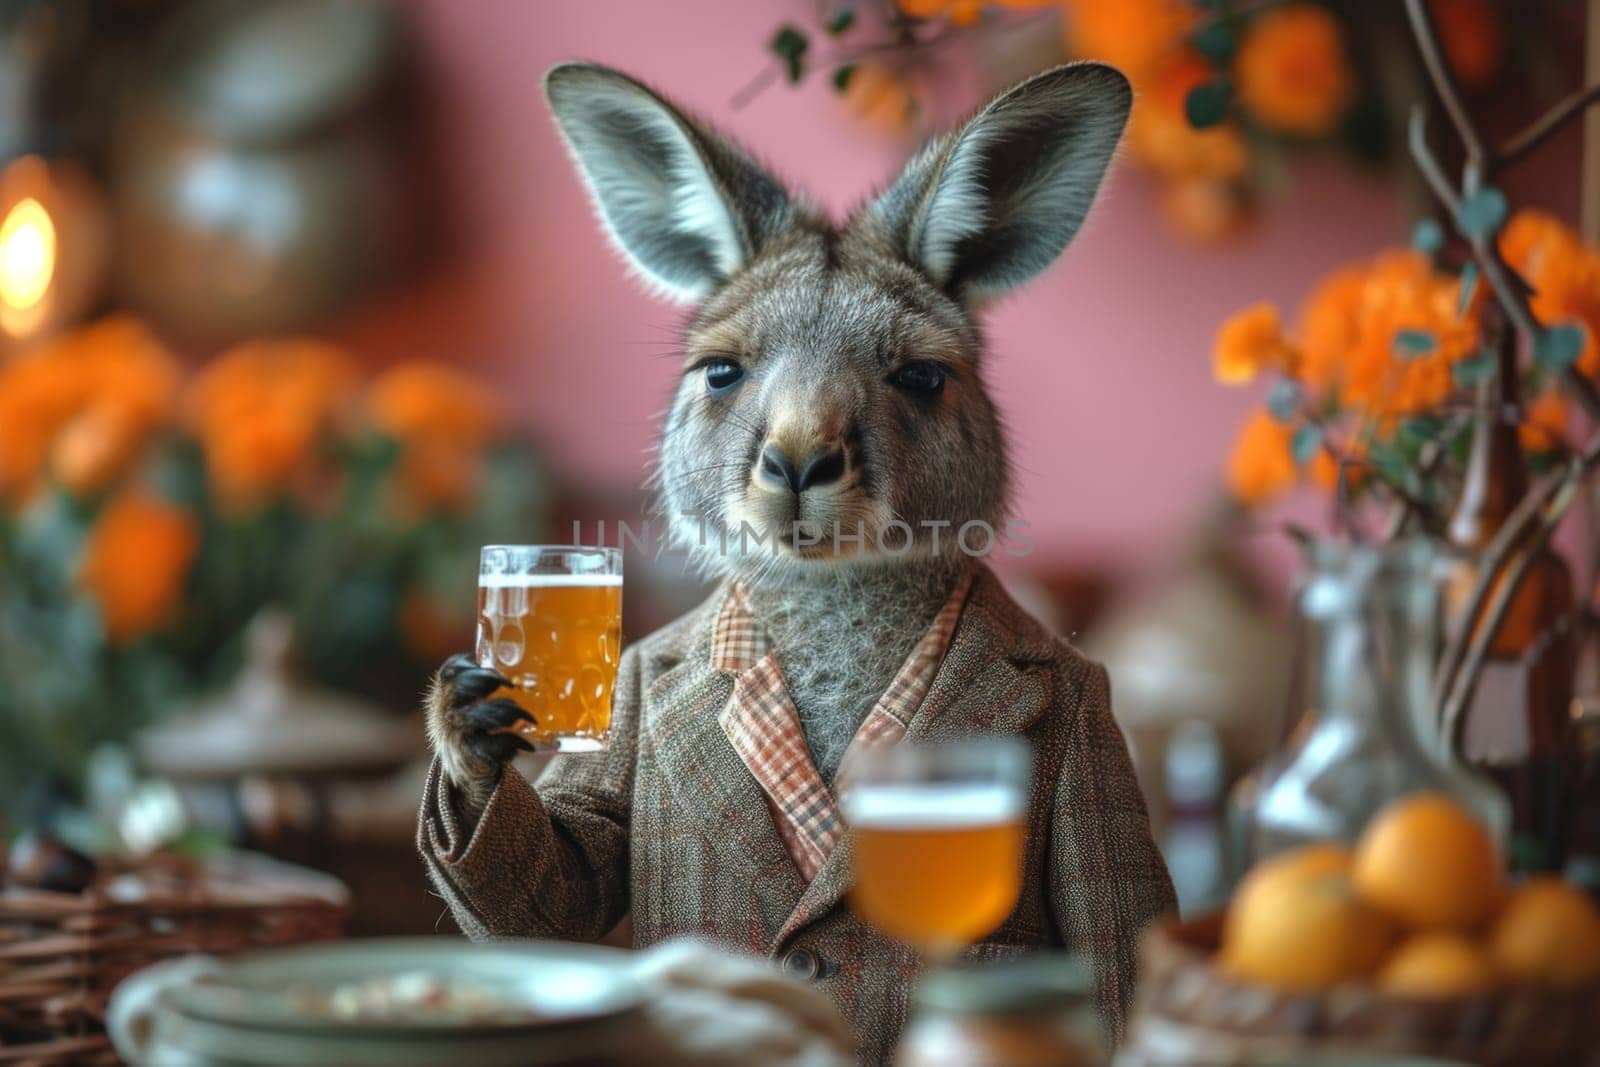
1107	879
546	862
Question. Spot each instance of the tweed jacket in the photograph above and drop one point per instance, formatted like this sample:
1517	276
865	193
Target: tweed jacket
669	824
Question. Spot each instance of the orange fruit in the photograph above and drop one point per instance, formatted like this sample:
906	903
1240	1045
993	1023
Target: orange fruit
1438	964
1298	924
1429	864
1548	934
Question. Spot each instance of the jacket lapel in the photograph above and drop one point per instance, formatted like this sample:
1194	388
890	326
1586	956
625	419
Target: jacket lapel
995	678
708	781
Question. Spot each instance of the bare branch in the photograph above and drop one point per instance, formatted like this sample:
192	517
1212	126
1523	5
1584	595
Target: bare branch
1427	461
1528	528
1453	711
1510	288
1444	83
1544	127
1427	162
1582	388
1414	505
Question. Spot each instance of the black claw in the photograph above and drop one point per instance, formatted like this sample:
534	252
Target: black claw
471	686
497	748
453	667
490	738
496	715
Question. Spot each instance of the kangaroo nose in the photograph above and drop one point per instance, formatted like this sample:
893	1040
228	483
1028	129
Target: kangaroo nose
820	468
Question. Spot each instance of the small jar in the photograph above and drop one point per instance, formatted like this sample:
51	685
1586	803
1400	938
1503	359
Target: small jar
1036	1011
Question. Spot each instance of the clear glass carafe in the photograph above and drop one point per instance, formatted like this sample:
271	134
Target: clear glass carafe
1362	724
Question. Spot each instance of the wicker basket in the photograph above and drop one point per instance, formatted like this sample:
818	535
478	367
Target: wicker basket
1187	1012
61	954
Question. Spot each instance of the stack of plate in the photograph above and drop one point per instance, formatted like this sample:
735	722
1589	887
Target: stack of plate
391	1002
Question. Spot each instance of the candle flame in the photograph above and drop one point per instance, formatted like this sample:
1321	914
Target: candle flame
27	254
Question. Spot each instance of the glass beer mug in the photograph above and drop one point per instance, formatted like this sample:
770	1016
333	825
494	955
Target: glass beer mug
550	620
938	839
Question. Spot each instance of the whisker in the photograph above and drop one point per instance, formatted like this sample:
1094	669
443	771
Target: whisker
711	467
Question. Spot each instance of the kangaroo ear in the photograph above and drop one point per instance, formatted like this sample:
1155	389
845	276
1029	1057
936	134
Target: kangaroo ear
986	208
683	205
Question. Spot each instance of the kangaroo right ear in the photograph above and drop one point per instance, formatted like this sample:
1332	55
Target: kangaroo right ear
985	209
685	207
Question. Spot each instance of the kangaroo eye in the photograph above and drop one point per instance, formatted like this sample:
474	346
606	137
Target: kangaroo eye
920	378
722	375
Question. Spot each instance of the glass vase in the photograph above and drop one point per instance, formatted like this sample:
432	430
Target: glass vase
1362	729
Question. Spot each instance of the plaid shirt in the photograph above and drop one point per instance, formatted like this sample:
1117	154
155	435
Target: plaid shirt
764	728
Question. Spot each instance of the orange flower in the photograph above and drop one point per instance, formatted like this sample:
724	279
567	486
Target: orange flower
1161	136
1262	466
1544	423
879	98
1532	240
1402	293
1248	343
444	420
83	405
1470	33
38	392
260	409
961	12
93	449
1138	36
435	400
1323	470
1564	274
1292	71
1329	325
135	563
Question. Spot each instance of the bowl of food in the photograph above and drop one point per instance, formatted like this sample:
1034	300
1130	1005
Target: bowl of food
393	1002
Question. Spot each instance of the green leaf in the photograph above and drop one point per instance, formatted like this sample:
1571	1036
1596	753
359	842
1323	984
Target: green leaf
1483	213
1305	442
842	20
789	44
1476	369
842	76
1418	430
1215	41
1283	400
1469	287
1207	104
1390	464
1559	346
1413	344
1427	237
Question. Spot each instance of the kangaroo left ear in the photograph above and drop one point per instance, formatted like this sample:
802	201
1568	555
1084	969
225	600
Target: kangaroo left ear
684	206
985	209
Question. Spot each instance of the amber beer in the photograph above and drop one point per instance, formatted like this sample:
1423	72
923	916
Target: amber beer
937	866
550	620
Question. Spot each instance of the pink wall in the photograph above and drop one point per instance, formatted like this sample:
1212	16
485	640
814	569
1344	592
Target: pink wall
1101	366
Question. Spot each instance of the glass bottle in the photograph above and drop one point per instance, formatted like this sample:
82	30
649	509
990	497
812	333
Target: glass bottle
1365	731
1517	729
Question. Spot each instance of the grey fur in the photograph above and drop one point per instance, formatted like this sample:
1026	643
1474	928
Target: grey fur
820	316
842	635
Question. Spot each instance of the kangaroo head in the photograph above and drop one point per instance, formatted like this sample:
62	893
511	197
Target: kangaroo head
831	407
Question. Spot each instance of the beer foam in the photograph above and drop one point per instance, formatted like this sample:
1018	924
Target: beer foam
931	806
547	581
